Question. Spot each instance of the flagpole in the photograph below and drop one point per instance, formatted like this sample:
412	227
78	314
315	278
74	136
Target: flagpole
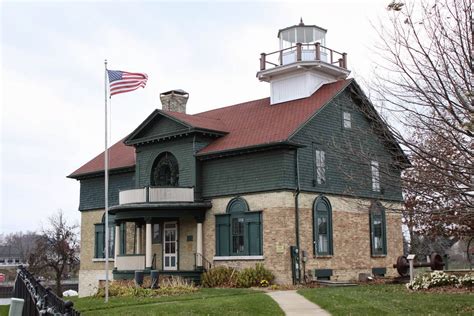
106	197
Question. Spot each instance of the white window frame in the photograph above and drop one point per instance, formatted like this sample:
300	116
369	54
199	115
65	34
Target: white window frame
375	170
347	120
320	161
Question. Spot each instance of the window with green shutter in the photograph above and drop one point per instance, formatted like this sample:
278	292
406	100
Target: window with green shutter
99	238
99	241
378	230
322	227
239	230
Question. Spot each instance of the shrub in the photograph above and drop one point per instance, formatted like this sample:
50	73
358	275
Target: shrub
219	277
467	280
438	279
229	277
168	287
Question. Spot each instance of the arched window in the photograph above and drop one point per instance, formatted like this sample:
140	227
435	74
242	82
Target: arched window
322	227
378	233
239	230
165	171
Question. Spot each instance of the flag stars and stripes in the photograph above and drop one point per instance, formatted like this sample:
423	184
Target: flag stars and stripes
123	81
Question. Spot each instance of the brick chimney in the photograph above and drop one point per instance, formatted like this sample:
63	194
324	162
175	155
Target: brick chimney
174	100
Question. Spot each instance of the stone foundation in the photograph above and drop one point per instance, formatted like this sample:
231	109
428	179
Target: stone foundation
89	281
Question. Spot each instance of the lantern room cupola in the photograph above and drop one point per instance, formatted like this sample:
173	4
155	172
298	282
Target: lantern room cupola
302	64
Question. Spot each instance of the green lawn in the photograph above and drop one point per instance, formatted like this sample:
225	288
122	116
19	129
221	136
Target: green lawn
388	300
203	302
4	310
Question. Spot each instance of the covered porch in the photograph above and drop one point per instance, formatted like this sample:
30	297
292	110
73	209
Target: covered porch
162	233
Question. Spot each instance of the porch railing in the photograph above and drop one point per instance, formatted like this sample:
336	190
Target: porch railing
303	52
200	262
156	195
38	299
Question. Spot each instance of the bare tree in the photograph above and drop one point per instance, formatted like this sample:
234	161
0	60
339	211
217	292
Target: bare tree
424	84
20	243
56	250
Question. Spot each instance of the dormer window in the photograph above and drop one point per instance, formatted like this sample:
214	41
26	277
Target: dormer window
346	120
165	171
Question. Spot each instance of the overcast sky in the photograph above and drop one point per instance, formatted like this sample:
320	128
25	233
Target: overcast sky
52	77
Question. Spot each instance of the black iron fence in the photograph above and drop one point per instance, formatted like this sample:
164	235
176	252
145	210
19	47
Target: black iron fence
38	299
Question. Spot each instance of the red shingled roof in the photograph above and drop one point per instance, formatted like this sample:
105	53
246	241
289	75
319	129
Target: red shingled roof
257	122
120	156
246	124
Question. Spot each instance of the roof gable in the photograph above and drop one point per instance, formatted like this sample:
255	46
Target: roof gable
164	123
155	125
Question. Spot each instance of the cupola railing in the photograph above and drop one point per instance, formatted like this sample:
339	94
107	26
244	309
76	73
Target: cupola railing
303	52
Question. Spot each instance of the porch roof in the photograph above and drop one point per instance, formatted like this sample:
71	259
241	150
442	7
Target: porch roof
138	211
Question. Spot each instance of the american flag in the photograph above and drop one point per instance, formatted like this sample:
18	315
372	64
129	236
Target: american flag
123	81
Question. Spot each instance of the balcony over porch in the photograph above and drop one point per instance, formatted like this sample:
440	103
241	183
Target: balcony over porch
156	195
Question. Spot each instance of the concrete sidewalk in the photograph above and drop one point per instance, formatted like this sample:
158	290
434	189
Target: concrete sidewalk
294	304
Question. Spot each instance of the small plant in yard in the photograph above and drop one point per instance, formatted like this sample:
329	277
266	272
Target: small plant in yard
230	277
264	283
439	279
219	277
168	287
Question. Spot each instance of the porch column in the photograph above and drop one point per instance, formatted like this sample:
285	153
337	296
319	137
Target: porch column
199	242
116	243
138	246
148	250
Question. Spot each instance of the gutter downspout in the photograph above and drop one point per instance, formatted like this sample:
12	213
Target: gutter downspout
297	212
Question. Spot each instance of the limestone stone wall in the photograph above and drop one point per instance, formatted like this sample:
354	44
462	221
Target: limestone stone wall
91	270
89	281
187	249
351	237
88	219
351	234
278	232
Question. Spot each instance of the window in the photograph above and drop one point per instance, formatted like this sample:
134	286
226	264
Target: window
346	119
165	171
320	167
322	226
156	234
238	245
99	249
99	238
378	239
375	176
239	230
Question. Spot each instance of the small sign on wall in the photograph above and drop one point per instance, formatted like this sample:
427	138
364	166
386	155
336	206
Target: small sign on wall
280	248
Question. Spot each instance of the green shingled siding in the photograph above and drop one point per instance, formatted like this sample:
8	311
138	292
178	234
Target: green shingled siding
92	190
253	172
348	153
181	148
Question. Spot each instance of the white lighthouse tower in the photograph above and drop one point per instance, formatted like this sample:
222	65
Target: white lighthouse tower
302	64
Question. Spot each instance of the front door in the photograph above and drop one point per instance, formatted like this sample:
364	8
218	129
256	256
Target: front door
170	246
